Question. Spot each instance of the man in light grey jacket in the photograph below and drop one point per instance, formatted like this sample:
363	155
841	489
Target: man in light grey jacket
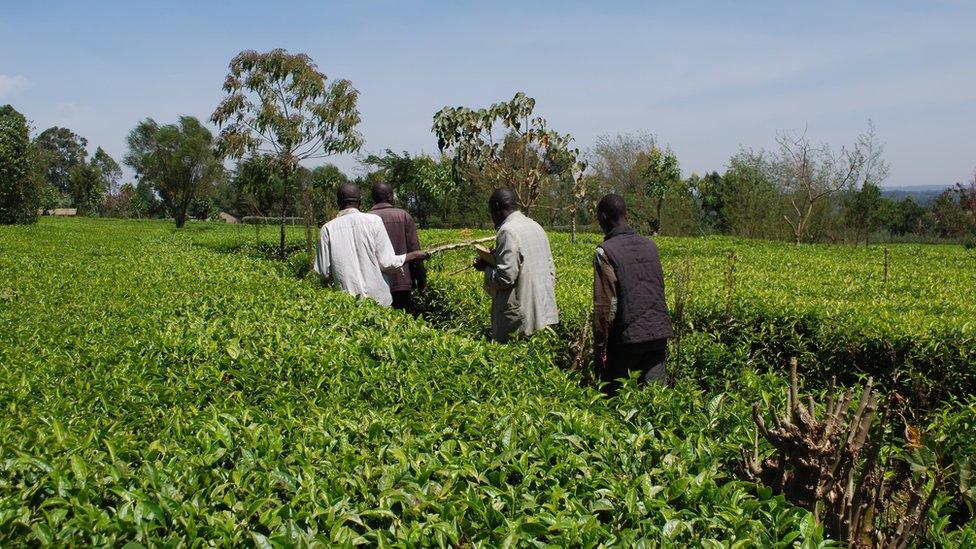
522	281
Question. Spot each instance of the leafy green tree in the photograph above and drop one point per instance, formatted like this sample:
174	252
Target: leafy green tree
951	219
751	205
420	182
225	196
908	217
60	150
279	104
649	179
967	197
570	189
508	147
177	159
258	185
661	173
86	187
203	208
91	183
18	190
120	203
863	210
710	191
145	203
682	211
110	170
464	205
48	197
617	162
886	214
323	182
565	202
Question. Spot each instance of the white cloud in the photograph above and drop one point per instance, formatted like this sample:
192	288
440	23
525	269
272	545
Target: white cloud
10	85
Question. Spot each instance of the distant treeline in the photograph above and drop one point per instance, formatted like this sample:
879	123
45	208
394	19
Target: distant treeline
749	198
801	192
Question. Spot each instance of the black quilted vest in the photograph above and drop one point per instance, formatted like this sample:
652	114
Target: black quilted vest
642	313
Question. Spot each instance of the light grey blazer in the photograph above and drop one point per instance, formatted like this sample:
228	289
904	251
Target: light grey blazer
523	281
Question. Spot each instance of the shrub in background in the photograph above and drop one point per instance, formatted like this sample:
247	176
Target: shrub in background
18	191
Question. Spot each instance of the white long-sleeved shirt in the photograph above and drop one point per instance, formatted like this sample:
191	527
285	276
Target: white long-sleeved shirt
354	251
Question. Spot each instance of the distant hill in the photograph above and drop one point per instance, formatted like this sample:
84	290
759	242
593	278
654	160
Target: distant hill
922	194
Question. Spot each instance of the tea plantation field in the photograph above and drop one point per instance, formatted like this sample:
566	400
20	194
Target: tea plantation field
177	388
757	303
748	303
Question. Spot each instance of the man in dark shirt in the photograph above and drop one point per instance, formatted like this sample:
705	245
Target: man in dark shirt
403	234
631	325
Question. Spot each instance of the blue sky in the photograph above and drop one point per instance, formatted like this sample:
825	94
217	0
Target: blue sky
704	77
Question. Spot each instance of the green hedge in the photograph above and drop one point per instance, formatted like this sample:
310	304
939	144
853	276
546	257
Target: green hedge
160	393
829	305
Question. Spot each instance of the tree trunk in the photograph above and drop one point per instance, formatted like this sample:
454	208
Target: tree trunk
660	204
309	226
181	207
284	209
798	229
180	213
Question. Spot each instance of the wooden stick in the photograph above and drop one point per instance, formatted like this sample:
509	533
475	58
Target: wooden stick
793	397
456	245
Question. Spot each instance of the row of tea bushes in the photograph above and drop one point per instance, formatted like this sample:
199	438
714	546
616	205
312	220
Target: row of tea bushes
734	326
160	393
767	301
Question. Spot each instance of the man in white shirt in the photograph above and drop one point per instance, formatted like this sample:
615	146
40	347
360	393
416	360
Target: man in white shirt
354	250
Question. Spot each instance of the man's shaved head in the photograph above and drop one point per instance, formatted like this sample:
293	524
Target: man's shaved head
611	211
348	195
503	198
612	207
382	192
502	203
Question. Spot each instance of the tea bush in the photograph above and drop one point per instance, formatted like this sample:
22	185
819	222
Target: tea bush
159	393
758	302
763	302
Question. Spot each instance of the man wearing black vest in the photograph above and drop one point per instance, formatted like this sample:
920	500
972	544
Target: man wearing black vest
631	325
